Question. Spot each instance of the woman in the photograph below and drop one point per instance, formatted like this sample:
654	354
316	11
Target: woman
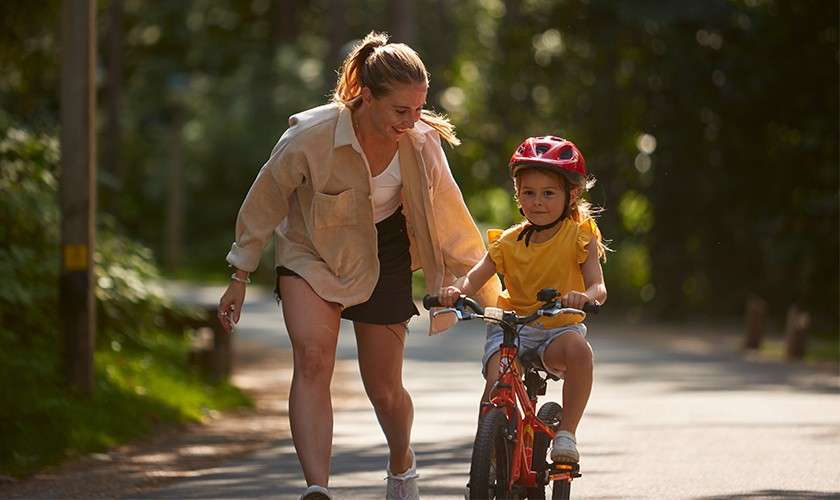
358	194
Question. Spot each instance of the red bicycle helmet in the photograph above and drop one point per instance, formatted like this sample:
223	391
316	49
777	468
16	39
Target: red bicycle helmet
552	153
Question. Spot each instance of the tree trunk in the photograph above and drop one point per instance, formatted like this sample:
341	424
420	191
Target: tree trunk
338	38
113	132
77	192
401	19
284	16
175	194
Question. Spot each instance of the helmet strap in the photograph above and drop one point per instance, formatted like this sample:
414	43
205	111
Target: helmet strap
531	228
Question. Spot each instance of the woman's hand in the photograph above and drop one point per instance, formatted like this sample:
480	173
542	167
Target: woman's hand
230	305
448	295
575	300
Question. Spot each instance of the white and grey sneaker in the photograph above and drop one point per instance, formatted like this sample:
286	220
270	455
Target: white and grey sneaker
403	486
564	448
315	492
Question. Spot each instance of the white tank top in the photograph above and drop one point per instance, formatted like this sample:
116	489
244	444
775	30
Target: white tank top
386	190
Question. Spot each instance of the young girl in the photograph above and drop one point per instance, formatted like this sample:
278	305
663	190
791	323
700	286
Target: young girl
558	247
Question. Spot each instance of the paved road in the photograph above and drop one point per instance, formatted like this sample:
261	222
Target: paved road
669	417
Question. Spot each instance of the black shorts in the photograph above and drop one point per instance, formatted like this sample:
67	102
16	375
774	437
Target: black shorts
391	300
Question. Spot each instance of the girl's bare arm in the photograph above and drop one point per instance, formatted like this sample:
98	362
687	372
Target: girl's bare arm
470	283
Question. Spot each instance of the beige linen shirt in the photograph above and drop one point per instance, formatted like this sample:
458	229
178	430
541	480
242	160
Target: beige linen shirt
314	194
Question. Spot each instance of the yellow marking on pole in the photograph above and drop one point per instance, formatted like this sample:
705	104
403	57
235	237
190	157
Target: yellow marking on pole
75	257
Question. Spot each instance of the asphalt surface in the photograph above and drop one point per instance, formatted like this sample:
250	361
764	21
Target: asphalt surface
675	412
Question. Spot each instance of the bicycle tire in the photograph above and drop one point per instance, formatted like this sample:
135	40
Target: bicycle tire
561	490
550	413
491	458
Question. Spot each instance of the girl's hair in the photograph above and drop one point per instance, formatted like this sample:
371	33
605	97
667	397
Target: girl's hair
579	211
376	64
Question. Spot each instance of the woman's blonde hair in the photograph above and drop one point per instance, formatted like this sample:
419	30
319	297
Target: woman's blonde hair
376	64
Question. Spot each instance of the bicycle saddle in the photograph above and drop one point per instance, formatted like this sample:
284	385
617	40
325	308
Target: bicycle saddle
530	359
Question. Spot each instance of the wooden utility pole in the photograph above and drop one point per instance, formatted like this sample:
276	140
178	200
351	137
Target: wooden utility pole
78	190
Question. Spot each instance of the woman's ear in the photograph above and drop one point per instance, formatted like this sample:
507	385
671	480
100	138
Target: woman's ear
367	95
574	195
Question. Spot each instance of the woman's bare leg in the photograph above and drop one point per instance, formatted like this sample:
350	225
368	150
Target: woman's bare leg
380	363
313	324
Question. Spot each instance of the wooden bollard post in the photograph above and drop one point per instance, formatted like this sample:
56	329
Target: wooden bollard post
796	332
755	317
222	347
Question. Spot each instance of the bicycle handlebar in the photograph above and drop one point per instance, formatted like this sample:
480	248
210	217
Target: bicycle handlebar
547	295
430	301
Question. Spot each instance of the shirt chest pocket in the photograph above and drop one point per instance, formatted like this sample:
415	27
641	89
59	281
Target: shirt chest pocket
332	210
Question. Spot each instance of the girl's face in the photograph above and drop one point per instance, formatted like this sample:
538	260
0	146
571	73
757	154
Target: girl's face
542	196
397	111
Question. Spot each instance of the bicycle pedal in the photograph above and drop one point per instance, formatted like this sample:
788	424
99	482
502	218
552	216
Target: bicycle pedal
564	471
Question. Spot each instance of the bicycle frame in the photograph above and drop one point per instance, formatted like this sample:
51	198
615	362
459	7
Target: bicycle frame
516	392
510	393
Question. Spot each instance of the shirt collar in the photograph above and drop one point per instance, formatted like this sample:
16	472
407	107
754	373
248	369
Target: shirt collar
344	133
346	136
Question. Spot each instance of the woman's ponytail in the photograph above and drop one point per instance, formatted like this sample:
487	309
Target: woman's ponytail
348	88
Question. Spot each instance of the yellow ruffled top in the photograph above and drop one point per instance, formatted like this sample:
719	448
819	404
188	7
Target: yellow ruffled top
555	263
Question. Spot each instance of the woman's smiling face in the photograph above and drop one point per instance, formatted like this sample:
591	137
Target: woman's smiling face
396	112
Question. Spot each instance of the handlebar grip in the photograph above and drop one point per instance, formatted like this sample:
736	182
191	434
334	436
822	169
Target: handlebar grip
591	308
430	301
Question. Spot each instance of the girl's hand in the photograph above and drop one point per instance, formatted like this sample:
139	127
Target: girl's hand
230	305
575	300
448	295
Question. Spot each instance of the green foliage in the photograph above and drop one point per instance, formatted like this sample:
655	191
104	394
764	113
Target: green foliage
142	377
128	293
28	231
494	206
129	298
636	212
137	389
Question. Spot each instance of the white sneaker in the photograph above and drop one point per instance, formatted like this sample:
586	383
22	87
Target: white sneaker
403	486
564	448
315	492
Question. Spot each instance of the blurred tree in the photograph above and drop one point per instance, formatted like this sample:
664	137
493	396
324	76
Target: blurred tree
402	19
111	169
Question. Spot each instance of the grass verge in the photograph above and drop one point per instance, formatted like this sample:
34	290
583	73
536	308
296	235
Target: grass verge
137	390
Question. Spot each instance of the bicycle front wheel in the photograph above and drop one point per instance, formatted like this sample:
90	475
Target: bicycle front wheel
491	459
561	490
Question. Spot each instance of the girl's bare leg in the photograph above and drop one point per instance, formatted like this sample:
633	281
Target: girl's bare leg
571	353
492	372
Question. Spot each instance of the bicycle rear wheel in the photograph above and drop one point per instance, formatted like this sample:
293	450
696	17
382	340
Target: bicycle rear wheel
550	414
491	458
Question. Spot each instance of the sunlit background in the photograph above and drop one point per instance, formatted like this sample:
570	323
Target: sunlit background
712	127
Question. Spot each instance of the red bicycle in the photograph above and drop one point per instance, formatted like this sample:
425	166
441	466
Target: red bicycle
509	453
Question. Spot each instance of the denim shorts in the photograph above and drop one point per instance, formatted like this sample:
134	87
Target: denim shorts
530	337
